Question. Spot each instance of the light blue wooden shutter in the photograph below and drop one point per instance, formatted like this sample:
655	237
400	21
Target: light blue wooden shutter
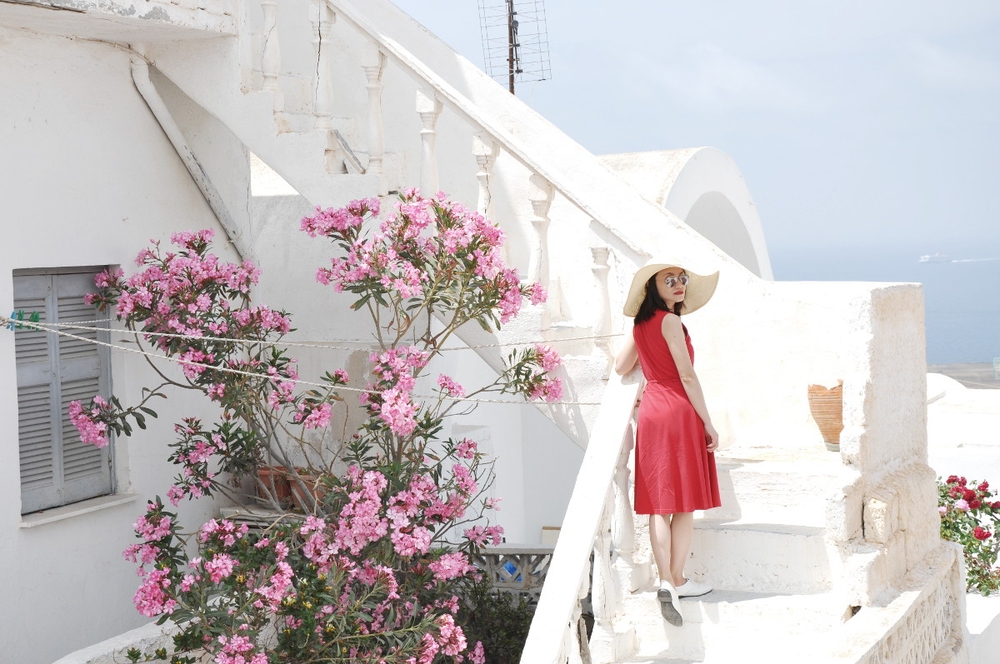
56	467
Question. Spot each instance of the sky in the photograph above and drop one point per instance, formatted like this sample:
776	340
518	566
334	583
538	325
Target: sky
859	126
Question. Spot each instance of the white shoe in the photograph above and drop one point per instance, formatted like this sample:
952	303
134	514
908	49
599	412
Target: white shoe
692	588
670	605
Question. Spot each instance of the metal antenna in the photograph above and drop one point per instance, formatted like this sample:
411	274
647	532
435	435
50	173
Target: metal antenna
515	40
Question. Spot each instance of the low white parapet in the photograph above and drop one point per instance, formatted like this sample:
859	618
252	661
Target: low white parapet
147	639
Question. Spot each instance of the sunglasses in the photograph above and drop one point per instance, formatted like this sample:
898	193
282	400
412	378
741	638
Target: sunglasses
673	281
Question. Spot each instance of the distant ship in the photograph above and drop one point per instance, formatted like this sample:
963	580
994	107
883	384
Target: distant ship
934	258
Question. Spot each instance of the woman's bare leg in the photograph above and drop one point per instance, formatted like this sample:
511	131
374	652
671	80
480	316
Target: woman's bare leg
681	531
660	541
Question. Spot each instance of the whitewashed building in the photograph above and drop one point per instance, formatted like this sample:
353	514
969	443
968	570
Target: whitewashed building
125	120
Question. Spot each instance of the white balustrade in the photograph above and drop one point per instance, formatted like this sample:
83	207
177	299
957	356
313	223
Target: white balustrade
374	66
484	148
602	328
622	521
577	649
429	108
553	636
270	61
605	596
540	193
323	20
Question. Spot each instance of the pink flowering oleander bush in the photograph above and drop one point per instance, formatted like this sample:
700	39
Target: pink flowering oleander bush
970	516
374	568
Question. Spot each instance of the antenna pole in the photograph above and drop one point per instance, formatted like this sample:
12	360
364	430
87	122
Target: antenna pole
510	45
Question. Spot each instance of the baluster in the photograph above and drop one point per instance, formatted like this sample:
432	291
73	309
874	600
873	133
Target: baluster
374	68
485	151
603	325
323	21
605	595
622	519
576	648
429	108
270	63
540	192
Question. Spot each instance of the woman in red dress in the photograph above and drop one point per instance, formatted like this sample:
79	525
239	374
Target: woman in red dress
675	440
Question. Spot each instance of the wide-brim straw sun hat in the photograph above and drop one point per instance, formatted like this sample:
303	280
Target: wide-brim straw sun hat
700	287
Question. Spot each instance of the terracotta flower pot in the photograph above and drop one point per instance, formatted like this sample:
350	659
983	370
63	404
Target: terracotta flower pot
312	485
827	408
275	478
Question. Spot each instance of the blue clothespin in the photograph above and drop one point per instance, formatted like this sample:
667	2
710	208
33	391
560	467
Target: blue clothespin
13	317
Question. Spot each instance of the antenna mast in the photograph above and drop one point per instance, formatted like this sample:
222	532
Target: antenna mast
515	40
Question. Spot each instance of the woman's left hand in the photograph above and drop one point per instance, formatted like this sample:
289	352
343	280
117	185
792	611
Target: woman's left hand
711	438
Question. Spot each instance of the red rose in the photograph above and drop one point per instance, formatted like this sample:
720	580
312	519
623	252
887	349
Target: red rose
969	495
974	504
952	479
984	486
981	533
954	491
995	505
961	480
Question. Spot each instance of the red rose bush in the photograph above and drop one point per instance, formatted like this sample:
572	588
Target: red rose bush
970	516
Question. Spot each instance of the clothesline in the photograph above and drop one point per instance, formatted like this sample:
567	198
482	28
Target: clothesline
52	328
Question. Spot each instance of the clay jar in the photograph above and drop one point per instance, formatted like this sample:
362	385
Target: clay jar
827	408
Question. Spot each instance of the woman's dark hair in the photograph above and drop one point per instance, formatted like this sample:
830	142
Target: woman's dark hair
653	303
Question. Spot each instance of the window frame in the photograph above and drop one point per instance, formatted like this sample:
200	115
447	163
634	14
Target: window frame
77	471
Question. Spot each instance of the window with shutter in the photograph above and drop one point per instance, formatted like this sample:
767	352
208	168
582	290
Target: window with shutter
53	370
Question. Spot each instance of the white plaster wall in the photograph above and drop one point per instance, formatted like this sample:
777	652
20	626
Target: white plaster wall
87	179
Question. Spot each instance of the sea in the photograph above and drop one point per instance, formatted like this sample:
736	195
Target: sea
961	288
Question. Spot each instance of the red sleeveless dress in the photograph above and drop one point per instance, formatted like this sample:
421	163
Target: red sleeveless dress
674	472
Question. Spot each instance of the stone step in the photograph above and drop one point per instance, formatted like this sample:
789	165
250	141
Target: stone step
762	557
733	626
790	487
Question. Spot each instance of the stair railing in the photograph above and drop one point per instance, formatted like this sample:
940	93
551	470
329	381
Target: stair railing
434	95
597	527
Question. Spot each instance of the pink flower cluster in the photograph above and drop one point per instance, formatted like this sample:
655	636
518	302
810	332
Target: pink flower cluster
427	242
449	640
152	598
239	649
451	566
88	422
194	450
316	416
391	397
450	387
331	222
549	389
482	536
175	288
154	528
224	532
548	358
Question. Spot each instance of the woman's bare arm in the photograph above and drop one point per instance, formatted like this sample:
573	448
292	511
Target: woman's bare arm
627	356
673	333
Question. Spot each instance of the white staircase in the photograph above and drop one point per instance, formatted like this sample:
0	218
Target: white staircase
775	551
766	554
732	626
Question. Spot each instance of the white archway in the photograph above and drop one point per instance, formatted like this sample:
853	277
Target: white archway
706	190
